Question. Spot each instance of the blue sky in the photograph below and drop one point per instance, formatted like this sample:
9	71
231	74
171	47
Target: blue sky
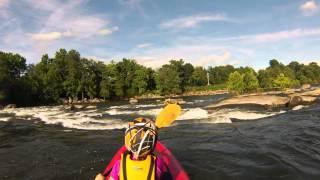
202	32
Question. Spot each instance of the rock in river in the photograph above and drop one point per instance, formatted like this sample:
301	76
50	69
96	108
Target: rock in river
259	100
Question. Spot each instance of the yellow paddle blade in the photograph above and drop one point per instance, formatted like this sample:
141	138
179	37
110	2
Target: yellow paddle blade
168	115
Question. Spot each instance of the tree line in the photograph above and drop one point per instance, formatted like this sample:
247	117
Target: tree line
67	75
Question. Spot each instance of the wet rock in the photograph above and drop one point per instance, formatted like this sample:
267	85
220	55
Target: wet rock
174	101
297	107
73	107
95	100
9	106
133	101
259	100
313	93
70	100
206	92
65	101
308	99
295	101
306	86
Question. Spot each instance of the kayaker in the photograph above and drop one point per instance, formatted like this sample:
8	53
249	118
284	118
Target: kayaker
139	162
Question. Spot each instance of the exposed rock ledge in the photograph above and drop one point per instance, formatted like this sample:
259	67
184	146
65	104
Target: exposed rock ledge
270	101
313	93
263	100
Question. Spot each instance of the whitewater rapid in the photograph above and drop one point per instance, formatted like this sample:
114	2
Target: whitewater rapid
116	117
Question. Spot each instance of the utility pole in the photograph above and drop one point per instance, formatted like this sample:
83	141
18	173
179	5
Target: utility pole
208	78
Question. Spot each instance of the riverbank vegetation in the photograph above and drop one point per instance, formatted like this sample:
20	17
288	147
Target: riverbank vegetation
67	75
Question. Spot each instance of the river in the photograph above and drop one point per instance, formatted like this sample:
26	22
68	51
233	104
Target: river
236	143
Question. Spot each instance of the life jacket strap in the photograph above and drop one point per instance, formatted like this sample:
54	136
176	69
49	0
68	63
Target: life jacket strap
124	164
151	167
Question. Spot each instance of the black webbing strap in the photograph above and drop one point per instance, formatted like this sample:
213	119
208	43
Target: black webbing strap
124	165
151	168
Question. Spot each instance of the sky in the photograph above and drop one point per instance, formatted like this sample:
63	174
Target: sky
203	32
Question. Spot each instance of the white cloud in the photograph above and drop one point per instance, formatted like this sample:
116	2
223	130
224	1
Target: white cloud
97	59
56	24
197	54
65	19
214	59
130	3
307	62
50	36
106	31
4	3
289	34
203	59
84	26
143	45
309	8
268	37
48	5
192	21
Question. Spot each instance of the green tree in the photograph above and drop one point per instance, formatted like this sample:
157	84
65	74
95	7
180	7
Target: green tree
168	80
188	70
57	73
178	66
220	74
12	69
105	84
72	80
151	79
140	81
96	76
250	81
199	76
235	82
131	78
12	66
265	79
46	85
282	81
274	63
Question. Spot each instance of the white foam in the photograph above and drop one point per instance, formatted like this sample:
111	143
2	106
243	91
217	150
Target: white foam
78	120
223	115
150	112
91	119
220	119
194	113
146	105
117	112
4	118
133	106
298	107
199	101
243	115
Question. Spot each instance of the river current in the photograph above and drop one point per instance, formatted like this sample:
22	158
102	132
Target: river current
231	143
